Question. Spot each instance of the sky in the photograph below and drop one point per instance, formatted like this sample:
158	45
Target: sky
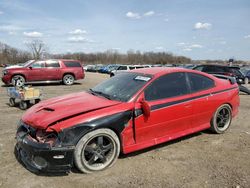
199	29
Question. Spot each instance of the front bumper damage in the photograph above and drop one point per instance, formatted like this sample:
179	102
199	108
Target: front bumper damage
42	157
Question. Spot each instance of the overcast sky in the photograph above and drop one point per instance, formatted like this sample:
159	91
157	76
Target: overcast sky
200	29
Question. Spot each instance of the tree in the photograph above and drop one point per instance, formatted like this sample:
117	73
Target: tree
37	48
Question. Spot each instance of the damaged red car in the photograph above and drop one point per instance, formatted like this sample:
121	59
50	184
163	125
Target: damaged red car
131	111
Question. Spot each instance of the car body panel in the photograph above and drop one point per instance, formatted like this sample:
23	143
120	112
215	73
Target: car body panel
53	110
72	116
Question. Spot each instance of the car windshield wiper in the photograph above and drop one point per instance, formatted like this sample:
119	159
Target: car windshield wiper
100	93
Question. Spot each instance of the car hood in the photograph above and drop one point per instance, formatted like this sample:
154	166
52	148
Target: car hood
56	109
14	67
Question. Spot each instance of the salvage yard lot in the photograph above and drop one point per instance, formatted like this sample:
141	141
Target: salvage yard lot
200	160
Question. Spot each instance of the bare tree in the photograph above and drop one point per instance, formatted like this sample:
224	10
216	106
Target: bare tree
37	48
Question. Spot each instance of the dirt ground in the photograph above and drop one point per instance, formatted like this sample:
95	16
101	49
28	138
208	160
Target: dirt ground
199	160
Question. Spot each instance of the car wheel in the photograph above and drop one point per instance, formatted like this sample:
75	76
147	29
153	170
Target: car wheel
68	79
17	80
37	101
222	119
12	102
246	80
111	75
97	151
23	105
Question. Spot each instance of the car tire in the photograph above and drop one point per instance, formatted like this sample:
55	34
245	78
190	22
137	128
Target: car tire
222	119
37	101
97	150
246	80
68	79
12	102
18	80
23	105
111	75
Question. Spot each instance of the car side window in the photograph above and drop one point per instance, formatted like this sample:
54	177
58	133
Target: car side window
122	68
72	64
167	86
211	69
38	64
199	82
131	68
52	64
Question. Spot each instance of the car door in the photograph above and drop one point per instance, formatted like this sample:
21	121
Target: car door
170	109
52	70
36	71
203	101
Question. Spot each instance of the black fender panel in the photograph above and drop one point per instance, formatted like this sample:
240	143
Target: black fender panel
116	122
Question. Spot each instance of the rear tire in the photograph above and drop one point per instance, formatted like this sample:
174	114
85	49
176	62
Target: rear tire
23	105
222	119
96	151
68	79
12	102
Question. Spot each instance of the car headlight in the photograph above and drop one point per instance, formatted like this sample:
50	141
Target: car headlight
5	72
240	80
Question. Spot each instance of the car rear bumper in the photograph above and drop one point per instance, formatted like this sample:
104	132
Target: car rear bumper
39	157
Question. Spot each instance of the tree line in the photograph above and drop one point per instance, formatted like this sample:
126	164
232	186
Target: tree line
38	50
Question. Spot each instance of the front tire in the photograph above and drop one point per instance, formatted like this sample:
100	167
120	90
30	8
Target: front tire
97	150
12	102
68	79
18	80
222	119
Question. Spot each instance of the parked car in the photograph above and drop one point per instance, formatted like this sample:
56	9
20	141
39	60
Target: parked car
108	68
224	70
128	112
61	70
90	68
123	68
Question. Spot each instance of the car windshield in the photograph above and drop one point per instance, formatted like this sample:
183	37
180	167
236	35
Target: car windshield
27	63
122	86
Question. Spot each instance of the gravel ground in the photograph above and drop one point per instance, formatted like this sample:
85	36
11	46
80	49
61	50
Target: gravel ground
200	160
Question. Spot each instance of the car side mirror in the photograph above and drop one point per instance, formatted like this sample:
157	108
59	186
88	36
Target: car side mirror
145	108
30	68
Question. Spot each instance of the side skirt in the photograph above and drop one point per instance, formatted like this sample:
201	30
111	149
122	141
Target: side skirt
156	141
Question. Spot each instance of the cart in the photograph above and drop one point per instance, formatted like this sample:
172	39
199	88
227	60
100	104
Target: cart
24	95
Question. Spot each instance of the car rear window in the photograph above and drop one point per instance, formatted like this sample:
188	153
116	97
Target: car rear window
72	64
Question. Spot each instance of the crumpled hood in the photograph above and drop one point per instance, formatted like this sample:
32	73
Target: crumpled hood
55	109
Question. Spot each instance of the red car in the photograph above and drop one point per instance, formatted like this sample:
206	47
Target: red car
52	70
131	111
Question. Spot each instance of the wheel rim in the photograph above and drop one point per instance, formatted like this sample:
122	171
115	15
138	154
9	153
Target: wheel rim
99	152
223	119
18	81
68	80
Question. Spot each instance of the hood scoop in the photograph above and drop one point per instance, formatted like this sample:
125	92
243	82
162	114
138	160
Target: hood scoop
46	109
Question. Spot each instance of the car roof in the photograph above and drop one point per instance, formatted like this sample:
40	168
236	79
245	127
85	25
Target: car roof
159	71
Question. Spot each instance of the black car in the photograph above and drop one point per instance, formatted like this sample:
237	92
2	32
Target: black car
224	70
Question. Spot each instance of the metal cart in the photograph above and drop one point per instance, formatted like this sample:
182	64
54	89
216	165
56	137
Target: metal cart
24	95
